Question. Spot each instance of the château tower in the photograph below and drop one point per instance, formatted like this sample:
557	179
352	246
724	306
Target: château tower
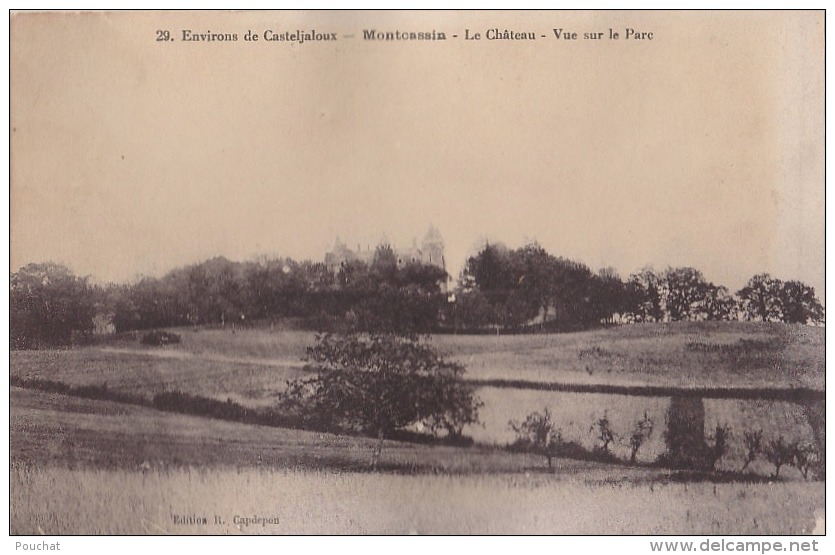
432	248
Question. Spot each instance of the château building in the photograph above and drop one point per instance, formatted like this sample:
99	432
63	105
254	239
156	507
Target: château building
430	251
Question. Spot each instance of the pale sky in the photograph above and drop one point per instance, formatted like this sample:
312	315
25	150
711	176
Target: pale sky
703	147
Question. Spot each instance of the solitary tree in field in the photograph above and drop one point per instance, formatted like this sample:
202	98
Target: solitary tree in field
377	384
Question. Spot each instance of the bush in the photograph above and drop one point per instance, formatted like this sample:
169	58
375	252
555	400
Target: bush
177	401
753	444
605	434
720	444
538	434
159	338
98	392
806	458
779	452
640	434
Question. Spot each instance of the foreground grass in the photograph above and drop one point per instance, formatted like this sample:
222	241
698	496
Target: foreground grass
82	466
63	501
51	428
58	430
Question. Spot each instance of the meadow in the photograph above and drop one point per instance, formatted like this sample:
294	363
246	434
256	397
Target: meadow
178	464
252	366
684	354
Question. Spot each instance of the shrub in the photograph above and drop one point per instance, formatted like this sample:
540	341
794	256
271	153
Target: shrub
605	435
640	434
177	401
779	453
753	441
806	458
98	392
538	434
159	338
720	444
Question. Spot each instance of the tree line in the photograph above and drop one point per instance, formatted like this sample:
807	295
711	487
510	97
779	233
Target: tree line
500	290
528	288
49	305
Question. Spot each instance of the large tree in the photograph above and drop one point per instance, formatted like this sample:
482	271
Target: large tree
644	296
471	310
574	293
378	384
609	295
769	299
799	304
536	283
685	292
758	299
718	304
493	269
528	282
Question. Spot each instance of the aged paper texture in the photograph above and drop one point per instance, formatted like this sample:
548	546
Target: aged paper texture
608	224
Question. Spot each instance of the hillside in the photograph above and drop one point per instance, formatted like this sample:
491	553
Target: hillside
732	354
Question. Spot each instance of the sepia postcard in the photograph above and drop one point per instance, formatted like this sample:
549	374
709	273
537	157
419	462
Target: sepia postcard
417	272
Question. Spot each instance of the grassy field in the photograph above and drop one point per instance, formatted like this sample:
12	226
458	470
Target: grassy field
251	367
60	501
576	413
172	464
737	354
146	372
54	429
254	364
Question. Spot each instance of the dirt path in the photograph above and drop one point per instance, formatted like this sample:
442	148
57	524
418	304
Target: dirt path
186	355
